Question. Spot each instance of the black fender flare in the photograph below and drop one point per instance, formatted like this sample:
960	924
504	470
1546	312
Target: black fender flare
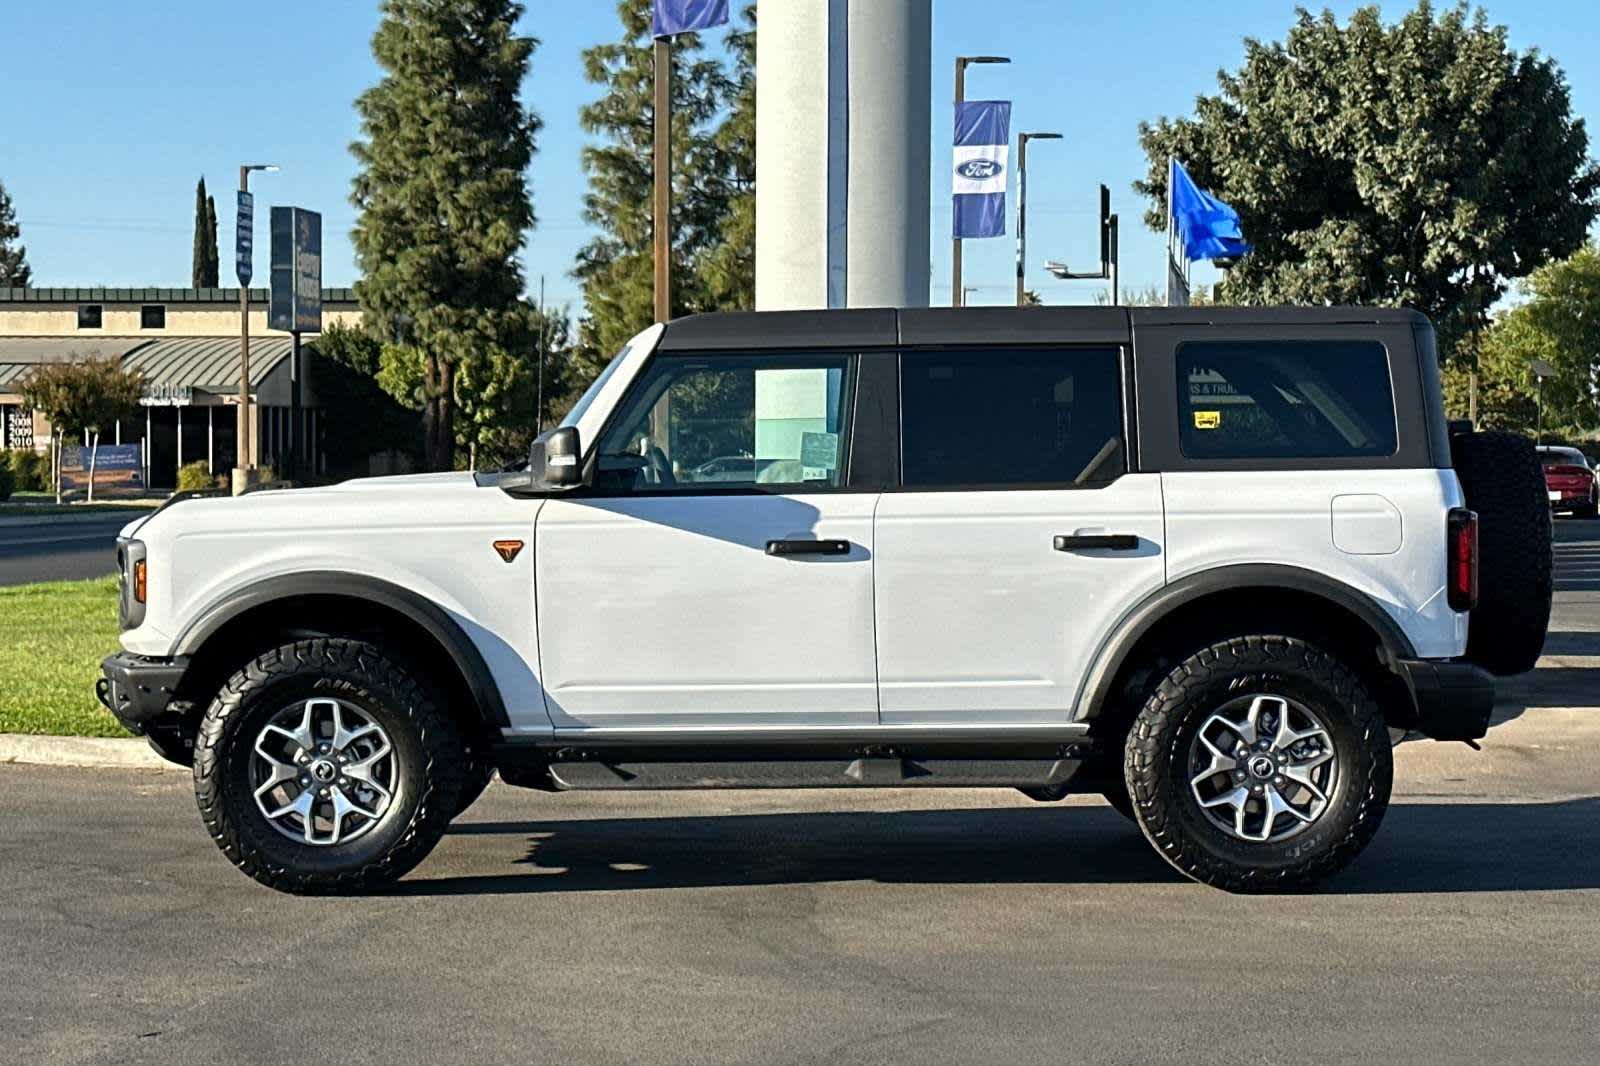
1150	611
432	618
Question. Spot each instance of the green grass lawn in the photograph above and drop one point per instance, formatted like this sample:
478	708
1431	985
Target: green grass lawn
43	504
52	638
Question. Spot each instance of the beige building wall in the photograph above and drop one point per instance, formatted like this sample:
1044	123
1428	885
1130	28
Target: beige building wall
122	320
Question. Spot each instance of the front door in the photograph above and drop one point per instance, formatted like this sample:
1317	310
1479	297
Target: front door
718	575
1019	538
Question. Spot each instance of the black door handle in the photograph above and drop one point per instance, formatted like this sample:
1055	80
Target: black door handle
1117	542
808	547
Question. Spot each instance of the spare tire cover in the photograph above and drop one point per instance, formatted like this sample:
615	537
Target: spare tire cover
1503	482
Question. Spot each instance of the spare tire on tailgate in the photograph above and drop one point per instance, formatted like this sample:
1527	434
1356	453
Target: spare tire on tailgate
1503	482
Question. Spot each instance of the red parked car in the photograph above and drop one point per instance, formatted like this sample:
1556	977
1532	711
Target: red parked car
1570	480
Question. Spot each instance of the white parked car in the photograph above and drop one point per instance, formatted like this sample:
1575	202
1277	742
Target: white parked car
1203	562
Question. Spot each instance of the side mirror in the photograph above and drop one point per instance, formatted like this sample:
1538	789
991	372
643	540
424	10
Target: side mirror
556	459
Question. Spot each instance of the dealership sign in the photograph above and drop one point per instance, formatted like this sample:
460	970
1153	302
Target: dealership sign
244	239
160	394
296	271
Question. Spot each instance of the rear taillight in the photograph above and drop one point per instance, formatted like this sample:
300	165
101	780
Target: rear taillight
1463	578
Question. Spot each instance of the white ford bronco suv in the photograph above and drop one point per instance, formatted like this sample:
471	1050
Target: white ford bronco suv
1209	563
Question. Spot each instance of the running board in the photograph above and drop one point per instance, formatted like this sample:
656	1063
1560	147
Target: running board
838	772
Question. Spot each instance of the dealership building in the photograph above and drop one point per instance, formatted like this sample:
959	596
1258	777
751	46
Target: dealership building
184	343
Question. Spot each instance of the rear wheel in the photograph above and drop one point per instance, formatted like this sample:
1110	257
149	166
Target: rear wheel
1504	483
323	767
1259	764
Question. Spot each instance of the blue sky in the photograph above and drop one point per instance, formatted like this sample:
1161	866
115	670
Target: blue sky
114	109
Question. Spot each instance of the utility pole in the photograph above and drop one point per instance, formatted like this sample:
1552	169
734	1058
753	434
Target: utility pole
539	418
957	294
244	450
663	179
1022	209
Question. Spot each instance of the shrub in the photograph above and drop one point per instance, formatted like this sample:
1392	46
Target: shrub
8	480
195	477
30	470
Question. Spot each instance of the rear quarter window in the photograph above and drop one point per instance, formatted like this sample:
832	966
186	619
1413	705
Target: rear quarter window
1285	400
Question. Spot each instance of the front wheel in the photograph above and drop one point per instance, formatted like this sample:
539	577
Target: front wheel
323	767
1259	764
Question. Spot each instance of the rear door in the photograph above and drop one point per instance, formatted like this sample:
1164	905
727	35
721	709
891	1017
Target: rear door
1018	537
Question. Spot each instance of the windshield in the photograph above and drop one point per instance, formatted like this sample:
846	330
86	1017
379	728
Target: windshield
1562	457
575	415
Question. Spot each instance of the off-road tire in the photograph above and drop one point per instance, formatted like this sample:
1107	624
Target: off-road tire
429	763
1158	780
1504	483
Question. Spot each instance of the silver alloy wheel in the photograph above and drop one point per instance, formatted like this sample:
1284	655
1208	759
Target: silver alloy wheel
1263	768
323	772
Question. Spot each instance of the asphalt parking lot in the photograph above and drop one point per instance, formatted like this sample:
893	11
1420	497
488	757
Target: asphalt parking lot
955	927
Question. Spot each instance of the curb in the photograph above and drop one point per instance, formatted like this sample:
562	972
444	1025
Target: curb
19	749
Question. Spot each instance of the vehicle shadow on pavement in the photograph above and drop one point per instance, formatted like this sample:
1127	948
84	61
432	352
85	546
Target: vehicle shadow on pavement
1551	685
1455	847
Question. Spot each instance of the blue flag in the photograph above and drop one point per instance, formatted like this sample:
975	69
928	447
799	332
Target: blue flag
683	16
983	152
1207	228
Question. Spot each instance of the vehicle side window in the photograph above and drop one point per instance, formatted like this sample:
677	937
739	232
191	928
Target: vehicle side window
1011	417
725	422
1285	400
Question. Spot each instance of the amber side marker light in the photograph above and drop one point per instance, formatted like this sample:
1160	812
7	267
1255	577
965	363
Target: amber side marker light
508	549
140	580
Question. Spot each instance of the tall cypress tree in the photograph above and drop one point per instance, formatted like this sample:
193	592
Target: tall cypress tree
445	206
203	273
616	267
212	248
14	270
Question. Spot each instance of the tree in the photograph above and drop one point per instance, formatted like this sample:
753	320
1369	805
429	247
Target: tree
1558	324
1423	163
500	428
371	420
14	270
444	204
80	396
207	260
616	267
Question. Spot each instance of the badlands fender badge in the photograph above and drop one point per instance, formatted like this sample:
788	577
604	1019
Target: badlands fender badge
508	549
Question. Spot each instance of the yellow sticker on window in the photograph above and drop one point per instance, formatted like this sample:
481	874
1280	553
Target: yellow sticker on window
1207	419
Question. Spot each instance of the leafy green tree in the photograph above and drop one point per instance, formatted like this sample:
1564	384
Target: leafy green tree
370	420
80	396
445	206
14	270
207	260
1422	163
616	267
1559	324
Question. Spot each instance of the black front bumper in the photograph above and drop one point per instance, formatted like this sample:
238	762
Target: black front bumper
139	690
1453	700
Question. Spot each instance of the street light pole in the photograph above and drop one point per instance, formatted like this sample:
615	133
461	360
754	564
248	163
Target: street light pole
1022	209
957	295
244	446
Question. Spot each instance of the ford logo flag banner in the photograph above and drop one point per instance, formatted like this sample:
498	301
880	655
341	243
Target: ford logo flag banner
684	16
983	153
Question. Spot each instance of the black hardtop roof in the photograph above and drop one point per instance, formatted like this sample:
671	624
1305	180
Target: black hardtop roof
889	327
